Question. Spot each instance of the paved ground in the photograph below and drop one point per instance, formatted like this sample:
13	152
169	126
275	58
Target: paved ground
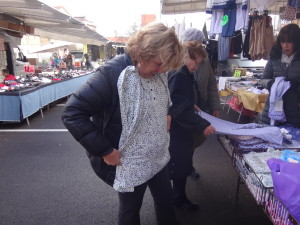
46	179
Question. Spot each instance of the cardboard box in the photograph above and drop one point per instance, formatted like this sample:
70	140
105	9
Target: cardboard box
33	61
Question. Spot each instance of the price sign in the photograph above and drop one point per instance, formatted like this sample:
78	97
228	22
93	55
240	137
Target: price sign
77	64
237	73
29	69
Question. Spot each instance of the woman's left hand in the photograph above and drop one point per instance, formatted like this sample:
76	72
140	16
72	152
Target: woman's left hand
215	113
209	130
197	108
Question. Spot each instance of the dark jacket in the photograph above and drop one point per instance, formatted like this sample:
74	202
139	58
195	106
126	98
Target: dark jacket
274	68
98	98
184	123
208	87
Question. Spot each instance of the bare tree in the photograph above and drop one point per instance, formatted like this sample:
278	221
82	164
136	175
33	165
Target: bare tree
116	33
132	30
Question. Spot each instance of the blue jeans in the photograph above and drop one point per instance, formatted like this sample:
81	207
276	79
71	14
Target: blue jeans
161	190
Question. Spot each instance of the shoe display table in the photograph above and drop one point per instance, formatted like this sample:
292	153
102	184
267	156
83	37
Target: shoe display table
18	105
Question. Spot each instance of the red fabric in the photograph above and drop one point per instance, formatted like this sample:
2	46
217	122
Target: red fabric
9	77
235	105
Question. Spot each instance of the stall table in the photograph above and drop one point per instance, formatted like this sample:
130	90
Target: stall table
18	105
261	191
246	100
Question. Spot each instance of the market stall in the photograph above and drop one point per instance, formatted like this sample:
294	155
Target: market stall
19	105
246	96
251	147
251	165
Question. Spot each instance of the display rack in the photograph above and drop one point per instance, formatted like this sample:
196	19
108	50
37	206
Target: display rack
263	195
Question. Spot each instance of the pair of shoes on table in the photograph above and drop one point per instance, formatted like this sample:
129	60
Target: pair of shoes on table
194	174
187	205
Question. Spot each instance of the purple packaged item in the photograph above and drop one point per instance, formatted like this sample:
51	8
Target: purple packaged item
286	181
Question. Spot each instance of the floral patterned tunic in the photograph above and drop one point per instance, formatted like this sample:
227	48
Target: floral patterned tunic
144	139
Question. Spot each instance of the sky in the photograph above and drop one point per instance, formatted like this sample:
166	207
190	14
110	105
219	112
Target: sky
116	16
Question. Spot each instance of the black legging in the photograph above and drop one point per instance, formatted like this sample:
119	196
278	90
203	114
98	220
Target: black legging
179	190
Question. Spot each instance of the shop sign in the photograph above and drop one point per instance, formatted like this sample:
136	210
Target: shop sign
29	69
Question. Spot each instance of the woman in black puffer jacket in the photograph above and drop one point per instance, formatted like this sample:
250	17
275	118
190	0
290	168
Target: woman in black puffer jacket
285	62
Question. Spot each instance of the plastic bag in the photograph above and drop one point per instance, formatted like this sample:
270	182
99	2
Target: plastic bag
286	181
290	156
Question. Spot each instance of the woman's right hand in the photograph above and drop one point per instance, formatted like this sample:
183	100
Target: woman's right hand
113	158
209	130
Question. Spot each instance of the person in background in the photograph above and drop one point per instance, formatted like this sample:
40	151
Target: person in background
56	60
51	62
69	61
7	76
88	64
208	98
185	122
284	62
127	140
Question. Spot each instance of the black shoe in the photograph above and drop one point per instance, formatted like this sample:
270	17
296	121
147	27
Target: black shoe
194	175
187	205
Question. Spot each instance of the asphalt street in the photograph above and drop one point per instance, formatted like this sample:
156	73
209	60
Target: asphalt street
46	179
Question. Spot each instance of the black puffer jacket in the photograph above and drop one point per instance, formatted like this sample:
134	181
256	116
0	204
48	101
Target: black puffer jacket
274	68
99	99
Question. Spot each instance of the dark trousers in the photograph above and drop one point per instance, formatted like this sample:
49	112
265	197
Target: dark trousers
161	190
179	191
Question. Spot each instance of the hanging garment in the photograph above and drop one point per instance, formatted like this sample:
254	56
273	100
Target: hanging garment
254	38
216	22
243	3
242	17
259	48
289	13
276	112
212	5
212	50
208	8
261	5
229	20
204	30
257	43
246	44
223	48
237	42
294	3
267	36
176	28
181	29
